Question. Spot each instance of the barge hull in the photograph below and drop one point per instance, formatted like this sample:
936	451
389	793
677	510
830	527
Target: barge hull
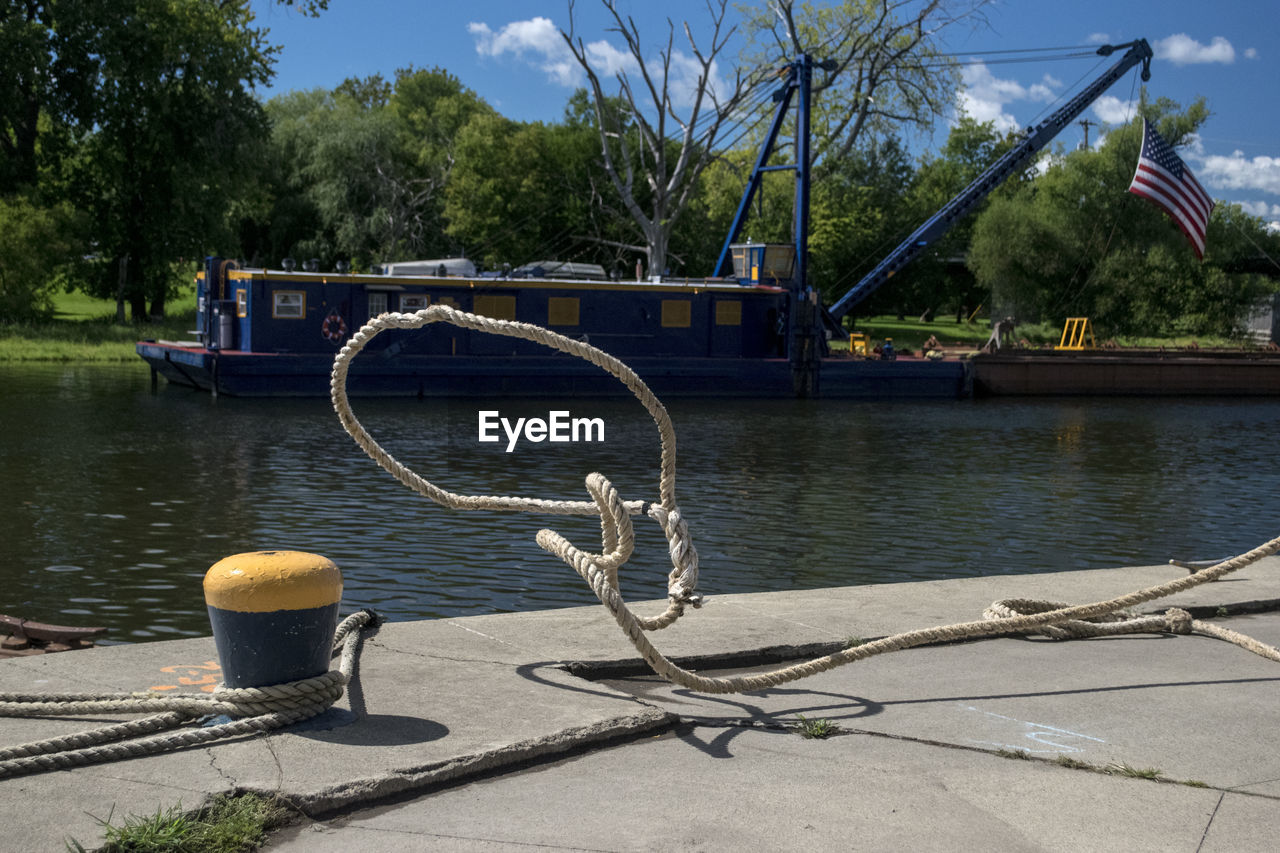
1153	374
247	374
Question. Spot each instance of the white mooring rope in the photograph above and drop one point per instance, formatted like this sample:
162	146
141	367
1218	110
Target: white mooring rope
600	570
253	709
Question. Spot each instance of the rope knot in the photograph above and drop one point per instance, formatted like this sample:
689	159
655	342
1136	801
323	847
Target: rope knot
1179	620
682	583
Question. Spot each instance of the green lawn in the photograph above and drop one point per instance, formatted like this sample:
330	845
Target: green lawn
911	334
84	329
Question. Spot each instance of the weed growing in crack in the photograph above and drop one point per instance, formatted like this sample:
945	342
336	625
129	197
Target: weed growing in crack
815	729
1020	754
228	825
1119	768
1073	763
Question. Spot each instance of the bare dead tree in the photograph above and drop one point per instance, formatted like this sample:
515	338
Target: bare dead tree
652	154
883	62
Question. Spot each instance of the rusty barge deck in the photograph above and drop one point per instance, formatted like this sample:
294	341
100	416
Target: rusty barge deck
1129	372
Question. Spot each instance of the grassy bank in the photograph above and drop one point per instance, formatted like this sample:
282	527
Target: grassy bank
911	334
84	329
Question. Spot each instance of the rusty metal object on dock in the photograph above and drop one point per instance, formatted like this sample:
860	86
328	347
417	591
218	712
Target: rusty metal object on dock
23	637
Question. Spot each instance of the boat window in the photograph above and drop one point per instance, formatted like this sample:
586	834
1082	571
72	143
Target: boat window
677	313
377	304
242	303
499	306
728	312
288	304
562	311
413	301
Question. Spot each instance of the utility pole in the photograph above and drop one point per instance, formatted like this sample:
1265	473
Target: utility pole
1086	124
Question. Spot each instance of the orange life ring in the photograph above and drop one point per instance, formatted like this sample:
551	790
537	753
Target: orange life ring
334	328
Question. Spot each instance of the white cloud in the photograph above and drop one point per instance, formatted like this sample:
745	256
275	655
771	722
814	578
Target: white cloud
1098	38
1238	172
1250	53
1045	161
1182	49
538	41
538	37
1113	110
1260	208
1045	89
984	96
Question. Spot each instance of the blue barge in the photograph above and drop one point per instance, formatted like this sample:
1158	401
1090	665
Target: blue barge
276	332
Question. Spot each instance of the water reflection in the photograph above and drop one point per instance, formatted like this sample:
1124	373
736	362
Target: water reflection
116	501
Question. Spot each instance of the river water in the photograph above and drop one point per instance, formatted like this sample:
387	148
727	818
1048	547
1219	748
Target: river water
115	500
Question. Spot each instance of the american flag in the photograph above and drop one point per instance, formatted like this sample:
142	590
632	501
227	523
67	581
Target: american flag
1163	179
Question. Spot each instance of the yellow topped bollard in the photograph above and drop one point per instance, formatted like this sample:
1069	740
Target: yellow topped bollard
273	614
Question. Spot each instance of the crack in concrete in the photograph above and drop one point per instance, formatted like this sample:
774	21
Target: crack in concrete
480	838
429	656
1088	768
1023	755
730	722
1238	788
213	764
779	726
271	749
1205	836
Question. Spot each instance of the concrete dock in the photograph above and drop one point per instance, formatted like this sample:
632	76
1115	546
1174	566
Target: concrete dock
541	730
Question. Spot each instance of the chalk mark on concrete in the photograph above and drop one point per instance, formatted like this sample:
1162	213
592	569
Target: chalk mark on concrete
1041	733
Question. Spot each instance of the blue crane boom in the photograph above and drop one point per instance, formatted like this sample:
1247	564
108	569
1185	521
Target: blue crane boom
996	174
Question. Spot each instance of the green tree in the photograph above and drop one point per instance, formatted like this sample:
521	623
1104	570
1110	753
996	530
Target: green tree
1074	242
279	216
932	281
858	215
174	118
522	192
352	158
36	243
48	69
498	194
359	173
431	108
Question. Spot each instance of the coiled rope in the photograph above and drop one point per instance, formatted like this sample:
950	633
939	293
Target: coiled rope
253	709
600	570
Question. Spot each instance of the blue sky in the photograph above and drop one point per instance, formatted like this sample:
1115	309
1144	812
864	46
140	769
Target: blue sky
510	53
